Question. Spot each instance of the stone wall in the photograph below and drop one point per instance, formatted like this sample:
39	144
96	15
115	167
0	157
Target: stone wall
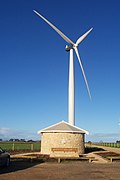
62	140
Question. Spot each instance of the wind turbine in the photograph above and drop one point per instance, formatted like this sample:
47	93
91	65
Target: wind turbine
71	47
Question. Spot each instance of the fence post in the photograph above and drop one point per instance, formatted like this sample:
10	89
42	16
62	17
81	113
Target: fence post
32	147
13	147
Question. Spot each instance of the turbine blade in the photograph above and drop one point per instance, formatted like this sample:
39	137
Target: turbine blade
82	37
56	29
78	56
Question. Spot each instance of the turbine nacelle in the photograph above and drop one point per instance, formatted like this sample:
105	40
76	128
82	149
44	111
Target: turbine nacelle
68	48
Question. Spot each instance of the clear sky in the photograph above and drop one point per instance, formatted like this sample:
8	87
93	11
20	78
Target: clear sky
34	67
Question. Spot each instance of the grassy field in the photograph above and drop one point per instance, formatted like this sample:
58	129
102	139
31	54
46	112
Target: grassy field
33	146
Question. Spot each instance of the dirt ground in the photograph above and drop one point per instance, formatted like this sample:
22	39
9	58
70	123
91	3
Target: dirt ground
111	149
20	170
72	170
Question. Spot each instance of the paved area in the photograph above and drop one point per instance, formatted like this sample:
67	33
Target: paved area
55	171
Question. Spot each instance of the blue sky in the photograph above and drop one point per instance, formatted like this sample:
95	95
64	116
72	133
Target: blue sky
34	67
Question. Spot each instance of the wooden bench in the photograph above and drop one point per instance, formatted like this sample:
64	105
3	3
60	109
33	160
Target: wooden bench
21	157
89	159
112	158
64	150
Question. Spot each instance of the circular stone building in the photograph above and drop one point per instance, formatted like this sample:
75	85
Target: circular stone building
62	140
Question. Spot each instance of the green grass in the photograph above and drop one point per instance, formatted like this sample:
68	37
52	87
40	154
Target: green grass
35	146
6	146
117	145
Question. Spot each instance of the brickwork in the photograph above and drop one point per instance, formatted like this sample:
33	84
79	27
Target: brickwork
69	141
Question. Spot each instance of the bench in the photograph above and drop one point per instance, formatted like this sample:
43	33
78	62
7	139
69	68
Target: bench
64	150
112	158
89	159
22	157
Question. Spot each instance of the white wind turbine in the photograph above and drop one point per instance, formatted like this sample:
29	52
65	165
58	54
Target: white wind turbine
73	46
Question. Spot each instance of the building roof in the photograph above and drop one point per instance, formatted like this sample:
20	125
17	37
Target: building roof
63	127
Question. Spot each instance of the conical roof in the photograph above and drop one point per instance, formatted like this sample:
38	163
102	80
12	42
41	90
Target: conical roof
63	127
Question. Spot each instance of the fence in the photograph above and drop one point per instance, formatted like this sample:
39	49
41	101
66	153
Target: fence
34	146
116	145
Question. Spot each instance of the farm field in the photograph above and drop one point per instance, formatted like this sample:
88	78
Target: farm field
20	146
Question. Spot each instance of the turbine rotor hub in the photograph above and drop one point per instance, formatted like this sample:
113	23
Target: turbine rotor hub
67	48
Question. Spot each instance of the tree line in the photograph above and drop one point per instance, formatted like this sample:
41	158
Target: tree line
18	140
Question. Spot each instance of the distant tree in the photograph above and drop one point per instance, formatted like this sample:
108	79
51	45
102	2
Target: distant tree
22	140
16	140
89	142
0	139
30	140
117	141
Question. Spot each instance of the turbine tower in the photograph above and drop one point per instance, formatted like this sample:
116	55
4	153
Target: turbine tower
71	48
